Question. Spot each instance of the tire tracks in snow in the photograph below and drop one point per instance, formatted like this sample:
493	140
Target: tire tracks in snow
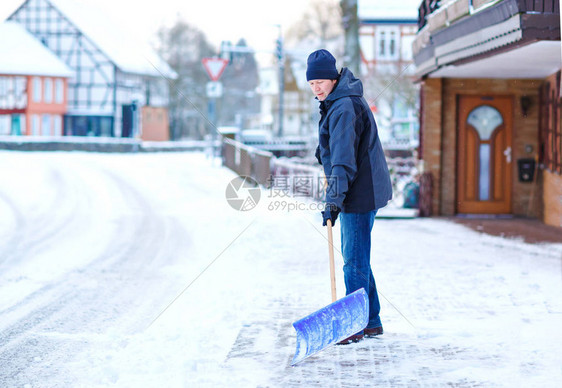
133	259
31	235
15	230
117	288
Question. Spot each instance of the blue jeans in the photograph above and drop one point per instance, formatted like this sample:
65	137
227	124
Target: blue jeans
356	248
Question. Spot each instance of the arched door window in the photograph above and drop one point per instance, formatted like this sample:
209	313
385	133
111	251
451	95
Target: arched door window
484	119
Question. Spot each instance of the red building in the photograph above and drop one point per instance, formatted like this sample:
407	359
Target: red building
33	85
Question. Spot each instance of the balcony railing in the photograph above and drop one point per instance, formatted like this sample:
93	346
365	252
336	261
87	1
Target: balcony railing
427	7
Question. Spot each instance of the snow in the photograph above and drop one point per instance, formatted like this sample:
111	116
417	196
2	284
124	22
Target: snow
131	270
388	9
22	54
131	55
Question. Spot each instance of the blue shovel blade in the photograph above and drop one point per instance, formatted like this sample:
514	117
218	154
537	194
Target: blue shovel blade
331	324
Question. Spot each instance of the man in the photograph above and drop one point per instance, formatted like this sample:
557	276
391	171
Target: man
355	166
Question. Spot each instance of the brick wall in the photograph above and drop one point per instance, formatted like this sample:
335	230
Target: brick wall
431	126
551	181
552	199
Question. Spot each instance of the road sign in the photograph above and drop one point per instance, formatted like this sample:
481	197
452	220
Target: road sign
214	67
214	89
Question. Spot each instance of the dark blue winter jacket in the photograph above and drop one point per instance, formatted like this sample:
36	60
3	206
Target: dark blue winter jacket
351	151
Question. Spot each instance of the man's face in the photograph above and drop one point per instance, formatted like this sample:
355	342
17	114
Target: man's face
322	87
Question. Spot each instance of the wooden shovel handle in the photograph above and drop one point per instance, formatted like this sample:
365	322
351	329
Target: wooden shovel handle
331	253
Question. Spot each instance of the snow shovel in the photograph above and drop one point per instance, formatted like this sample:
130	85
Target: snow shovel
333	323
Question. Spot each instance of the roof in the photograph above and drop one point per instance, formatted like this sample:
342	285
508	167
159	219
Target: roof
128	54
388	10
23	54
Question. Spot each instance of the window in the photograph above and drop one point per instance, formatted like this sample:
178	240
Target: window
4	93
106	126
23	125
485	119
46	128
3	87
392	44
48	91
88	125
59	91
5	124
382	44
57	126
35	125
36	89
20	92
387	42
13	94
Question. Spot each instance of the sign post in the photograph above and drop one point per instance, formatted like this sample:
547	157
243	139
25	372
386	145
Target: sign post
214	68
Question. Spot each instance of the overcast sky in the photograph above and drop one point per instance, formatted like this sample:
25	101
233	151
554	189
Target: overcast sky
253	20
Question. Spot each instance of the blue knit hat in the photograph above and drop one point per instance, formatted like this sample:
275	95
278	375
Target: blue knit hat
321	65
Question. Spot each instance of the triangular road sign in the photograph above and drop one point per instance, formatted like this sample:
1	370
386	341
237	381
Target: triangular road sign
214	67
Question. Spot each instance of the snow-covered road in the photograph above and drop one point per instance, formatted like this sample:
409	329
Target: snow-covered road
133	271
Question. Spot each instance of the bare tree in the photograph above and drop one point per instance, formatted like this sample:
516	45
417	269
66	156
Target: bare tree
183	47
240	80
393	95
388	86
322	20
350	22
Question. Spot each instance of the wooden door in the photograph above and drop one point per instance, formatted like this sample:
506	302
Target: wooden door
484	154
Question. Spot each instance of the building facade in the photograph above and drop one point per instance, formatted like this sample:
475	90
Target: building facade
386	32
113	77
490	107
33	85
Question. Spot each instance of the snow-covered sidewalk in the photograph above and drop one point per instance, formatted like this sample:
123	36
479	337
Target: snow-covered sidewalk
134	271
